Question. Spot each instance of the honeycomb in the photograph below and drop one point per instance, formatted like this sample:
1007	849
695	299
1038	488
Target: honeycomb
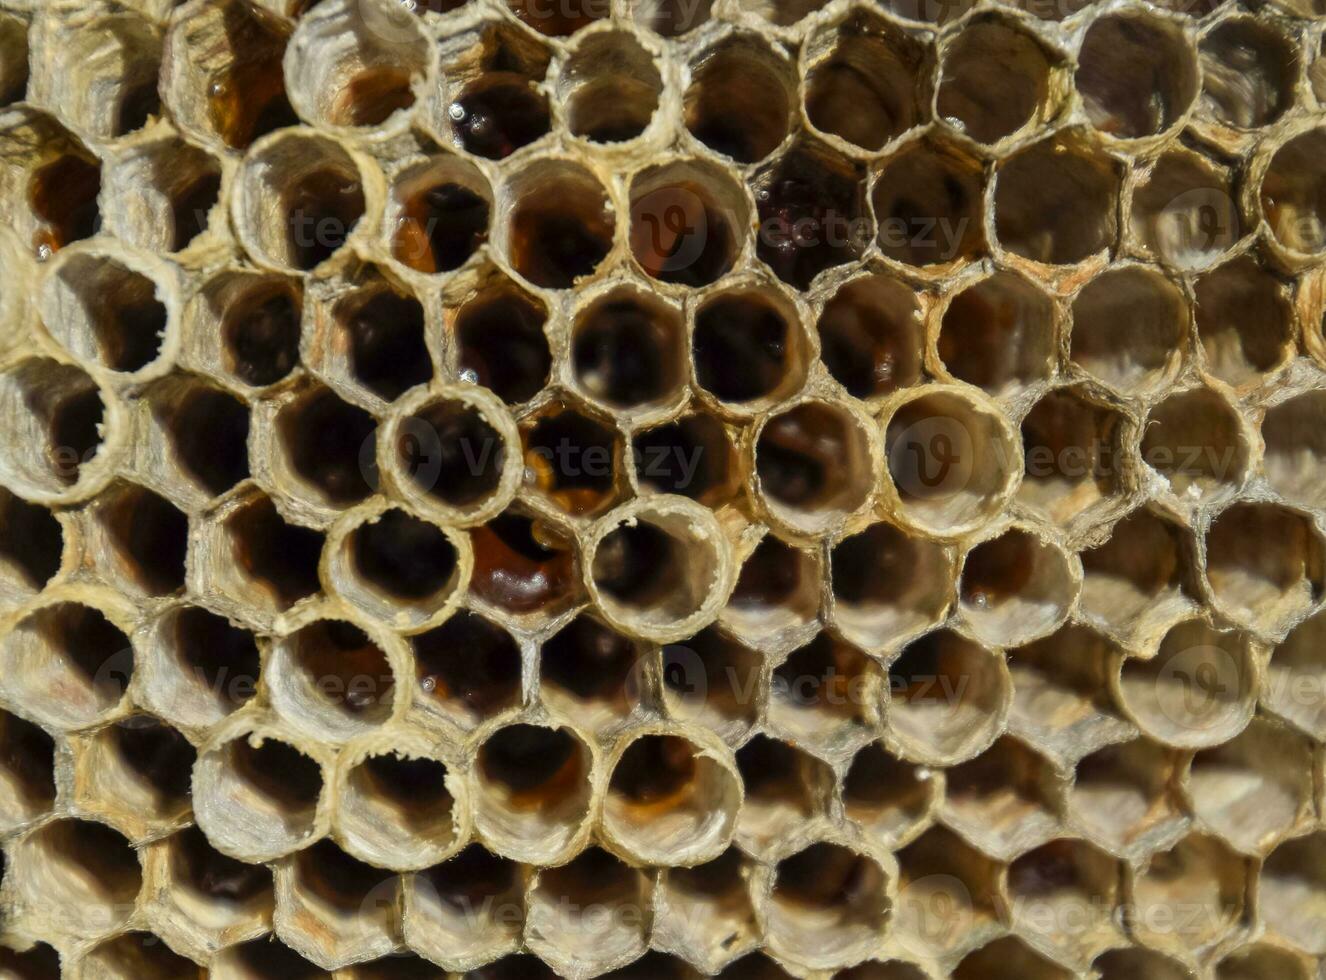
662	488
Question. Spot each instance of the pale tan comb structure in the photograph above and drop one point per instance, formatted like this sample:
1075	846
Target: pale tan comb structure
661	489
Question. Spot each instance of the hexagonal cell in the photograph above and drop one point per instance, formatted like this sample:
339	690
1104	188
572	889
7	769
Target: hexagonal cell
41	962
136	956
399	811
521	966
27	771
497	105
948	697
146	537
199	667
1198	884
1129	326
13	60
952	460
999	334
692	456
470	687
532	790
1008	957
1057	201
1291	193
75	877
1066	892
670	18
206	430
275	563
882	970
824	695
1007	799
62	182
948	896
265	958
865	85
1296	677
927	203
67	664
610	87
298	198
1137	74
628	349
1184	212
1061	699
106	311
397	966
1144	572
375	335
334	909
812	211
559	226
712	680
256	797
1138	963
670	800
1245	324
1262	962
1255	788
258	327
889	799
777	590
1016	587
525	566
707	910
1290	893
1296	447
993	55
321	444
815	465
689	222
785	788
595	896
1264	564
1194	441
757	328
442	207
331	679
501	342
58	416
137	772
399	568
756	966
590	672
1125	797
31	546
828	905
349	66
740	99
888	586
559	20
468	909
1072	448
160	196
870	336
573	458
213	899
1248	73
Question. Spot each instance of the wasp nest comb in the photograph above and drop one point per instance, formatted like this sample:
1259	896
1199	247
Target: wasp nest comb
662	488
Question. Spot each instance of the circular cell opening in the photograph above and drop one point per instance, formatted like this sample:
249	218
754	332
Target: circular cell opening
995	79
814	464
747	346
1137	74
998	334
740	100
560	226
1128	327
103	311
1249	69
1293	193
442	213
450	452
1056	202
334	679
610	87
628	349
468	667
687	222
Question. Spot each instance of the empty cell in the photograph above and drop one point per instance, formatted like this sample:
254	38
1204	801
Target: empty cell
777	589
999	334
1067	892
103	74
200	667
948	698
206	429
266	958
748	347
147	538
870	336
355	66
994	80
1264	564
522	966
1194	441
334	908
1199	878
1057	201
212	893
137	956
532	791
321	444
452	451
160	196
740	99
1137	962
559	226
824	694
331	679
928	202
1072	452
469	908
41	962
1146	566
442	209
590	672
1126	795
27	771
889	799
1295	684
689	222
399	811
13	59
828	905
713	680
137	771
67	664
756	966
501	342
866	83
398	568
502	109
815	465
1295	450
952	461
524	565
671	18
1136	73
781	13
940	871
31	544
1006	800
468	668
275	562
1290	891
257	797
108	310
298	198
259	327
1245	324
1009	957
1016	587
708	910
1249	69
1128	328
888	586
785	788
692	456
1262	962
883	970
58	418
628	349
610	87
559	19
75	877
398	966
593	910
812	211
1183	210
671	800
381	331
574	458
1292	196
